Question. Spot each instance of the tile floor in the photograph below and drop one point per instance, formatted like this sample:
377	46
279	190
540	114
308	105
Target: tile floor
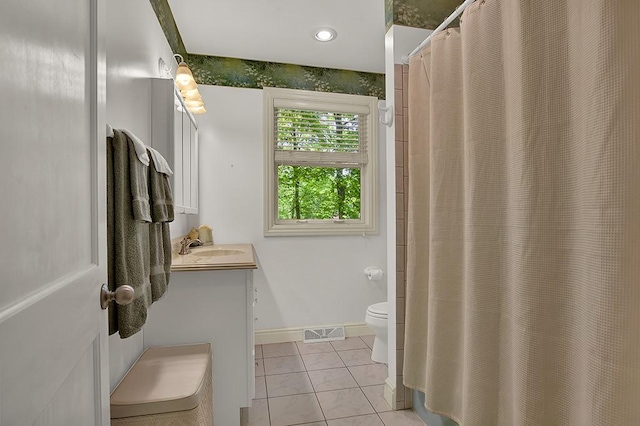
323	384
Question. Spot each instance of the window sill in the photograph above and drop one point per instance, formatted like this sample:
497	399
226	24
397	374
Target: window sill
320	228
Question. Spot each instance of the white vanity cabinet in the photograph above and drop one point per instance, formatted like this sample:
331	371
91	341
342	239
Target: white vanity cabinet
174	133
217	307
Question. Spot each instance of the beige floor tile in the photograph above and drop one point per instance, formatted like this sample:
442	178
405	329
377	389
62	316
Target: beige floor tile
258	352
315	424
314	348
334	379
369	375
261	389
368	340
288	384
259	413
322	361
368	420
375	395
294	410
401	418
259	368
348	344
356	357
279	349
283	365
344	403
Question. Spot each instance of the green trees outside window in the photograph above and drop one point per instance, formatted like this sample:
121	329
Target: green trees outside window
318	193
317	181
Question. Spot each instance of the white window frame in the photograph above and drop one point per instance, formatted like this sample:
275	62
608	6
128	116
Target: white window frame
320	101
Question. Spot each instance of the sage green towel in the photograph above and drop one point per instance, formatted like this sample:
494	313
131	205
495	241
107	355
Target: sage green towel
128	239
139	183
161	201
161	198
160	268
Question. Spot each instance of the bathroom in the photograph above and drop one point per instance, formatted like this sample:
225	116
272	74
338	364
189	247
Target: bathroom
302	281
69	80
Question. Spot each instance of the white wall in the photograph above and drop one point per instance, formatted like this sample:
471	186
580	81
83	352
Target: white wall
405	40
135	42
301	281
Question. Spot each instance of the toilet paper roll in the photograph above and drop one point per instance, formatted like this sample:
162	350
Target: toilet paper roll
373	273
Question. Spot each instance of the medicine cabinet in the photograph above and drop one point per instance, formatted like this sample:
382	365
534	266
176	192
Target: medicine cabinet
174	133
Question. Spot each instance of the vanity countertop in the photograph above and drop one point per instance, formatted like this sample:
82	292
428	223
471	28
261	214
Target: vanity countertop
215	257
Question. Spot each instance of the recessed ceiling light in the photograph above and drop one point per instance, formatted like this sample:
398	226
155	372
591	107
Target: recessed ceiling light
325	34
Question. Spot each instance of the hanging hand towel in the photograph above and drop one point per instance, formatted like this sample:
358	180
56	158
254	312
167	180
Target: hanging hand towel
160	189
159	162
162	213
139	146
138	180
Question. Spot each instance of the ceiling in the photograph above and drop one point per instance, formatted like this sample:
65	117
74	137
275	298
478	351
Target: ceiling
283	31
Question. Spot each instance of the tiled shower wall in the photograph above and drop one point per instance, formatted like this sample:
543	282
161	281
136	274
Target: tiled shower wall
401	72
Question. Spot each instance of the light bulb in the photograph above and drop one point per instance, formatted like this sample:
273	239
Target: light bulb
198	110
184	78
191	95
194	104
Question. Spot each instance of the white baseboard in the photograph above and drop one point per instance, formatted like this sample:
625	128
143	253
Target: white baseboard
391	396
280	335
390	393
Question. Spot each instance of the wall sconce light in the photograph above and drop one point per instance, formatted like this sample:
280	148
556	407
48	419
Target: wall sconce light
188	87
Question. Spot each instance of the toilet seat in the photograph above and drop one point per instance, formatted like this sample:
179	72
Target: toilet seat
378	310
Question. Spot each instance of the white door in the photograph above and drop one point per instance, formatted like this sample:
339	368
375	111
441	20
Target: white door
53	334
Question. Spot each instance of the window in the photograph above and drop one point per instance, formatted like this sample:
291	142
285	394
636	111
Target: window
321	163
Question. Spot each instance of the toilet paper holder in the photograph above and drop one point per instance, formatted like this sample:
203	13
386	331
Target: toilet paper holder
373	273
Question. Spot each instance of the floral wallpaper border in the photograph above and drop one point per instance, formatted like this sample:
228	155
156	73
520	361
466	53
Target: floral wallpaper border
221	71
234	72
169	26
388	14
419	13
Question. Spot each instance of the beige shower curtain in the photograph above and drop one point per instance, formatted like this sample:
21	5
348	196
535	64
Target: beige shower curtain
523	297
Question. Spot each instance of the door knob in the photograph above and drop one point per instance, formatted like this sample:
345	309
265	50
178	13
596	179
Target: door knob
122	296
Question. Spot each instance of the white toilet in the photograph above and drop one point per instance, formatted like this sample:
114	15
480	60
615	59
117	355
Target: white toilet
376	319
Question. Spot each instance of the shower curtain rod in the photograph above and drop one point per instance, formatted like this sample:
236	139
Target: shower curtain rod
440	27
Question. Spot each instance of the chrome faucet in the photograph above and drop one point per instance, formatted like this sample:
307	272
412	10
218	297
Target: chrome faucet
185	244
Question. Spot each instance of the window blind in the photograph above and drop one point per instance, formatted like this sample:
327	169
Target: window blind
320	138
